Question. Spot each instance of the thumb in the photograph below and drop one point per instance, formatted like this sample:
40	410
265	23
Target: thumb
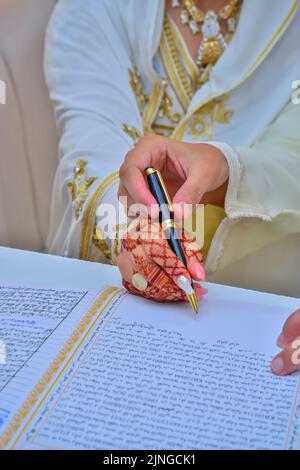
188	195
290	330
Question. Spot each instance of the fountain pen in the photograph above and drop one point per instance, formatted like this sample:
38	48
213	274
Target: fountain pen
166	218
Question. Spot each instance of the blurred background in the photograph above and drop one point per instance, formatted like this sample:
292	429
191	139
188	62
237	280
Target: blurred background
28	137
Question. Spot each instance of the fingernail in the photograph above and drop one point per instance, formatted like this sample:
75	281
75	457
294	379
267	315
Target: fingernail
200	272
278	364
184	284
281	341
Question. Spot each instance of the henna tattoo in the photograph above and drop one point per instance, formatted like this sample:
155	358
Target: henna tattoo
147	249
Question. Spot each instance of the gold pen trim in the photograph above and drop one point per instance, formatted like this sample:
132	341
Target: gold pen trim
166	224
165	191
193	301
151	171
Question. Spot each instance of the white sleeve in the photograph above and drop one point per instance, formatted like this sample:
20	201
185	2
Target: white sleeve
263	197
87	57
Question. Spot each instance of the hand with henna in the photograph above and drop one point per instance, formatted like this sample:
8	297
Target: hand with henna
145	251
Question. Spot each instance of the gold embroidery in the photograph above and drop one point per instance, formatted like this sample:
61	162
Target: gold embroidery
173	66
162	129
203	122
166	106
79	186
109	294
137	88
99	241
189	63
90	213
153	107
132	132
148	107
118	229
179	131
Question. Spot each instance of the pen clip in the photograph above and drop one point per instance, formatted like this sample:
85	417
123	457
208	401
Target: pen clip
166	193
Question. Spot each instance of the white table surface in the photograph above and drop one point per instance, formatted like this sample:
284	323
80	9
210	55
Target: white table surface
41	270
26	268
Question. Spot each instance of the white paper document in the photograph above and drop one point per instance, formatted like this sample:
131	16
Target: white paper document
109	370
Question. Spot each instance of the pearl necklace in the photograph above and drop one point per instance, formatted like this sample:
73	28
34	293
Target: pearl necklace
213	41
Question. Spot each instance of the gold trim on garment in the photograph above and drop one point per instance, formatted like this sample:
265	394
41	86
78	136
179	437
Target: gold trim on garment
151	110
137	88
99	241
79	186
90	213
190	64
132	132
203	122
173	67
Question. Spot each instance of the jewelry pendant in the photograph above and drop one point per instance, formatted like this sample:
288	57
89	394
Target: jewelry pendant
211	27
213	43
229	9
231	24
194	27
184	17
212	52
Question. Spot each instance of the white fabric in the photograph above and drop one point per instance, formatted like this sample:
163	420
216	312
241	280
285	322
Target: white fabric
89	49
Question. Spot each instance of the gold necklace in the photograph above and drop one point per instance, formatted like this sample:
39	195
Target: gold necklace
213	41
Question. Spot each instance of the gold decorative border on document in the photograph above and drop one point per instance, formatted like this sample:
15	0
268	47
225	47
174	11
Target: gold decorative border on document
90	214
79	333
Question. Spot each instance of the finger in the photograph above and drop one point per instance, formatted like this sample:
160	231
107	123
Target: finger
157	248
160	286
188	195
162	290
132	209
290	330
196	270
200	291
124	197
125	264
154	274
288	361
149	151
134	183
194	257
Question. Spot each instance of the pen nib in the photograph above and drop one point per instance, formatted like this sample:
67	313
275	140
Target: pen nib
188	289
193	301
